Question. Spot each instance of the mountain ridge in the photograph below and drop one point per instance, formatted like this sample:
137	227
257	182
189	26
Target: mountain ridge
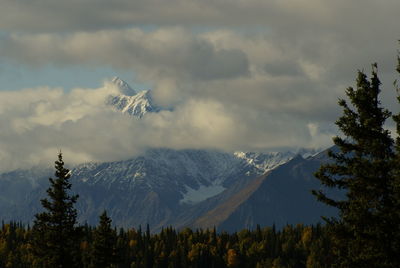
147	189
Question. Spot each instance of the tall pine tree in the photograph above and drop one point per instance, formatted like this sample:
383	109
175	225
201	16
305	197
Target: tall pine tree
104	251
394	240
55	240
362	166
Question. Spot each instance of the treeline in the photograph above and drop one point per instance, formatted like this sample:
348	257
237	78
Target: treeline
103	246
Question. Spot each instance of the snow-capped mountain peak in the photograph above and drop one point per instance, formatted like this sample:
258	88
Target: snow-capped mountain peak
131	102
268	161
123	87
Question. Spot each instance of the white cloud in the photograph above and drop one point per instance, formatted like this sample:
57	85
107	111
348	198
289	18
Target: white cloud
241	74
38	122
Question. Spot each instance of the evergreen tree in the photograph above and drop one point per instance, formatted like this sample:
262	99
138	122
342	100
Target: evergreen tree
104	253
362	166
394	221
55	241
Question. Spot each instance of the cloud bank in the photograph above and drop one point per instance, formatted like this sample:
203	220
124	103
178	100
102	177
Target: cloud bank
36	123
241	75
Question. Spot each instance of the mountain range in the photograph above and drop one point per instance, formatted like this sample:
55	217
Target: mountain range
180	188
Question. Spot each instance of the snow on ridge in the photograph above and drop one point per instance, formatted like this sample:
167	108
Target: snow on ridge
123	87
129	101
265	161
268	161
137	105
193	196
195	175
262	162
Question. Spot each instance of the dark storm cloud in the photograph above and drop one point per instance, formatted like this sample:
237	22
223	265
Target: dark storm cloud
172	51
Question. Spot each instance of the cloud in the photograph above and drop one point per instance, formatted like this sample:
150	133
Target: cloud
230	67
38	122
303	73
88	15
161	53
241	74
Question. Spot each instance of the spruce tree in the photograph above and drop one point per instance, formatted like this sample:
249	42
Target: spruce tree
104	252
55	241
362	166
394	240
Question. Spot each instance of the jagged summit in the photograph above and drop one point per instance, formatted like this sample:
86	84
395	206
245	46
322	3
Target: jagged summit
131	102
266	161
123	87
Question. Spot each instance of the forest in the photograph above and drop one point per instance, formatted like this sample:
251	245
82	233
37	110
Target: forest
103	246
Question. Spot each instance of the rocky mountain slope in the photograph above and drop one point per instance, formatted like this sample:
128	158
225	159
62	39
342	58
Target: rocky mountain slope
180	188
278	197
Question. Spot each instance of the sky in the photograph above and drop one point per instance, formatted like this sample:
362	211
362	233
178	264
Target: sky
250	75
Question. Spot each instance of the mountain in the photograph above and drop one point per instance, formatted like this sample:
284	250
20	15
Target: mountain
131	102
20	192
123	87
268	161
165	187
278	197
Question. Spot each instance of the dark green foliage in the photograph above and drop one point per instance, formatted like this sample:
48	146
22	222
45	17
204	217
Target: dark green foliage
363	168
293	246
14	245
104	251
55	240
393	239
